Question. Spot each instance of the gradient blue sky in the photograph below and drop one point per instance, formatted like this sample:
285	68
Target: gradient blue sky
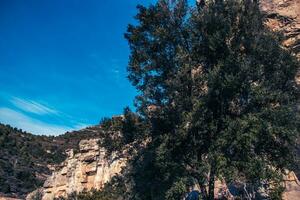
63	62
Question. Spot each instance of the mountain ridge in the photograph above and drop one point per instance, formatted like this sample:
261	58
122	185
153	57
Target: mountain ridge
26	160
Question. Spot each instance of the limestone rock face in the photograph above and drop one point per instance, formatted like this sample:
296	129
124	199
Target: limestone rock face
284	16
87	169
292	187
8	198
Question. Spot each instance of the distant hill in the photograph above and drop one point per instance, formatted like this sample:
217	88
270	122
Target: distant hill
26	159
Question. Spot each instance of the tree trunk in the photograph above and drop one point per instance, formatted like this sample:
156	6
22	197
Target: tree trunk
203	191
211	184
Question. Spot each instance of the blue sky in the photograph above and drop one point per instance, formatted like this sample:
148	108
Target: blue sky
63	62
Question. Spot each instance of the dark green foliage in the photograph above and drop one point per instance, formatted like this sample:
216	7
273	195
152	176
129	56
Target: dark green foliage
178	190
133	127
5	187
112	124
122	130
22	156
224	95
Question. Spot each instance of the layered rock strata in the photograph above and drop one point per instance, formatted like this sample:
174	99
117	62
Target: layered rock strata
284	16
90	168
292	187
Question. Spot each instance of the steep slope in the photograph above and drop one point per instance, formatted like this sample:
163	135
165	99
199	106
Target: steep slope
284	16
26	160
96	160
91	167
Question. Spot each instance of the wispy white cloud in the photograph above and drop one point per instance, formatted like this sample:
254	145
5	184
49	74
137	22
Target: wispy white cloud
35	117
35	126
32	106
117	71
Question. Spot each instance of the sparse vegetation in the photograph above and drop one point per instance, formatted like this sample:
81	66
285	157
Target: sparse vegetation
24	157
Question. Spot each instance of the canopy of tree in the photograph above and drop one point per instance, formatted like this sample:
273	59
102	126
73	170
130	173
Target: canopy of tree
219	93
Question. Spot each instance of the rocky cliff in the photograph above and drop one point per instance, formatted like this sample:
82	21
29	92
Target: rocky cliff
284	16
27	160
292	187
89	168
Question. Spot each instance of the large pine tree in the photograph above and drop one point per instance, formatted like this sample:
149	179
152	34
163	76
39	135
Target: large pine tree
219	93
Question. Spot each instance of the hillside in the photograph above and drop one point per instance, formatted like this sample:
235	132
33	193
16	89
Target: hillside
26	160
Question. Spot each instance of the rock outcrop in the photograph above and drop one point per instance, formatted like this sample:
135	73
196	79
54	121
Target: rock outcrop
284	16
290	183
292	187
90	168
9	198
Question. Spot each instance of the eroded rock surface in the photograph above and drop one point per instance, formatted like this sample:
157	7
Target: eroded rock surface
284	16
292	187
89	168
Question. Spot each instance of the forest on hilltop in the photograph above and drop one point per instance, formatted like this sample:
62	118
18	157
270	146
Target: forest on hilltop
25	158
